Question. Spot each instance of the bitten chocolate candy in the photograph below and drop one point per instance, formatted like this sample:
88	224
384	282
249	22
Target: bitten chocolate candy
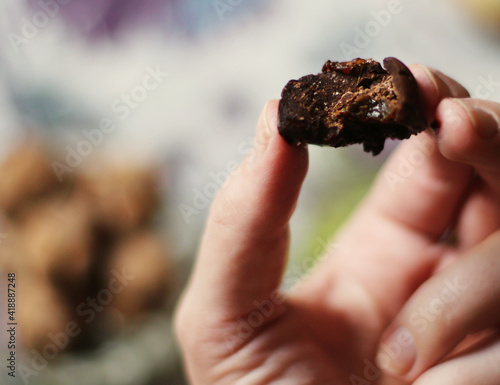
352	102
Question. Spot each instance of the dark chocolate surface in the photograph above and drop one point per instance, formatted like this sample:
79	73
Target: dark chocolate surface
352	102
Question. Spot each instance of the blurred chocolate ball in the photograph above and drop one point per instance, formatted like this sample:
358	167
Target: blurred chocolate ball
121	198
25	175
144	257
57	237
41	313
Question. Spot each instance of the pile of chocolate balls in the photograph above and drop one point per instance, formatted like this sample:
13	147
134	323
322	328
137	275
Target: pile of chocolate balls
87	257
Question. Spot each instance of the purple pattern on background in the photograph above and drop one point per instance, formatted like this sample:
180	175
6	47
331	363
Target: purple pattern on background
100	18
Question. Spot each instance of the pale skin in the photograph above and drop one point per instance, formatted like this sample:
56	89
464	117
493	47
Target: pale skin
390	270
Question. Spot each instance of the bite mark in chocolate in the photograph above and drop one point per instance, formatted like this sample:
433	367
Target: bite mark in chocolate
352	102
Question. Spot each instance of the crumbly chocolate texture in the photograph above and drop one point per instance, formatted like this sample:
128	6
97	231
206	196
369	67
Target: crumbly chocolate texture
352	102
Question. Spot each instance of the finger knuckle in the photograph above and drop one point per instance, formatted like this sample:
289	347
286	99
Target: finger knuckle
228	204
181	322
457	144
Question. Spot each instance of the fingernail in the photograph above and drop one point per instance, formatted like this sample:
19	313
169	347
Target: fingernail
266	127
271	119
432	77
397	353
444	85
484	121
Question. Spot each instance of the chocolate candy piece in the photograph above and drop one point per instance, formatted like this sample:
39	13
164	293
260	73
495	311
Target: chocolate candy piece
145	257
122	198
25	175
352	102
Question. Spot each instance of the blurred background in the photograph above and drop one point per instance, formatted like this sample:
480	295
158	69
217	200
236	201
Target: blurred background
119	121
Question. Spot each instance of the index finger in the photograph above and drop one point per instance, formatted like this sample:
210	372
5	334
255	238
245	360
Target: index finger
418	182
410	206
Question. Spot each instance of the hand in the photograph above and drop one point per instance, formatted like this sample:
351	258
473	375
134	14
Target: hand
236	327
453	317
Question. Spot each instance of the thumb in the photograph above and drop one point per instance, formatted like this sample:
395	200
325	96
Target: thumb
244	247
457	302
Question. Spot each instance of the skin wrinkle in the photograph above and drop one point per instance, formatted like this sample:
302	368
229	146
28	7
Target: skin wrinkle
463	369
247	355
346	322
272	369
391	217
224	372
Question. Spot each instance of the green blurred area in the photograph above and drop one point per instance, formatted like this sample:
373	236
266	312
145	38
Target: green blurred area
350	174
